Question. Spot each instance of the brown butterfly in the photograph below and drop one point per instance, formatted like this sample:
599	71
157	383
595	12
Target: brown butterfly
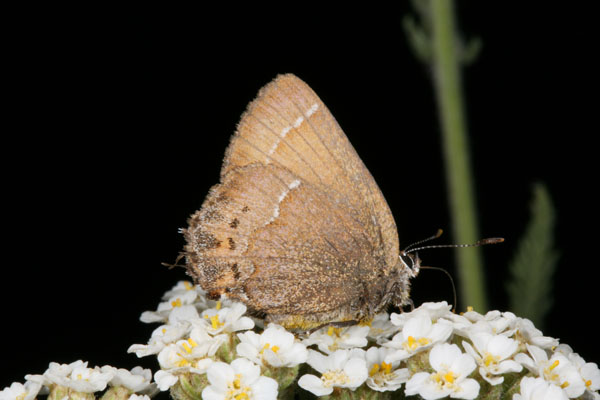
297	229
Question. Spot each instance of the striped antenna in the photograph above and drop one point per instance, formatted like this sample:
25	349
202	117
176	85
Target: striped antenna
480	242
437	235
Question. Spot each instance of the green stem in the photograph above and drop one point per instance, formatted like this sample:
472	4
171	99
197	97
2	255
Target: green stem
446	66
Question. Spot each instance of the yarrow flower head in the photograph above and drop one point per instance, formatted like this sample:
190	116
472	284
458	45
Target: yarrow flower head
418	334
492	353
161	337
556	369
590	373
203	352
77	380
383	376
191	354
434	311
329	339
240	380
138	380
225	319
382	328
452	368
17	390
180	303
181	289
76	376
274	347
528	334
342	368
539	389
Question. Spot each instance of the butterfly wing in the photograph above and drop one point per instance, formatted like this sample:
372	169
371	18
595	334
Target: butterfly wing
288	125
297	229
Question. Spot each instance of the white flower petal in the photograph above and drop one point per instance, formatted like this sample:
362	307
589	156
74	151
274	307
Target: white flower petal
470	350
249	371
502	346
244	323
509	366
491	379
264	389
249	337
526	361
298	353
469	389
590	373
443	355
356	369
463	365
249	351
539	389
209	393
317	361
430	391
440	331
219	374
398	355
415	383
164	380
314	385
418	326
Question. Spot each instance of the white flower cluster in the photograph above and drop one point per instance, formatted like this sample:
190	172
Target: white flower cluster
210	348
432	351
78	377
195	328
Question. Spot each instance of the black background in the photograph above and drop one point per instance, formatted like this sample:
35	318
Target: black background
118	121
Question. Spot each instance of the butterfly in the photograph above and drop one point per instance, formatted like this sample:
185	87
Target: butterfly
297	229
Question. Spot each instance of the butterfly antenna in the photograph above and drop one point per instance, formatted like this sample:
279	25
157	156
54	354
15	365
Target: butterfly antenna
480	242
451	281
437	235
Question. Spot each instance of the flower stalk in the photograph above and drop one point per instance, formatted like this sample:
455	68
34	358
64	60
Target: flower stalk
436	43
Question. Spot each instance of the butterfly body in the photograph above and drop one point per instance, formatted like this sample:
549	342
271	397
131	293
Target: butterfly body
297	229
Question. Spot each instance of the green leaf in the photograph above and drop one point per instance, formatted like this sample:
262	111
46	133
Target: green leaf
534	263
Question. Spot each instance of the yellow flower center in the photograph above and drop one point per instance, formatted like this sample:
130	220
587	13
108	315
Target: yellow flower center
384	368
176	303
236	390
490	359
412	344
273	348
335	377
552	376
189	344
444	379
188	285
214	321
182	362
548	371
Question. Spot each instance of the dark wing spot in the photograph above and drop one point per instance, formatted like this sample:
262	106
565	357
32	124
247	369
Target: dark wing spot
222	197
207	240
245	209
211	214
234	224
231	244
236	272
